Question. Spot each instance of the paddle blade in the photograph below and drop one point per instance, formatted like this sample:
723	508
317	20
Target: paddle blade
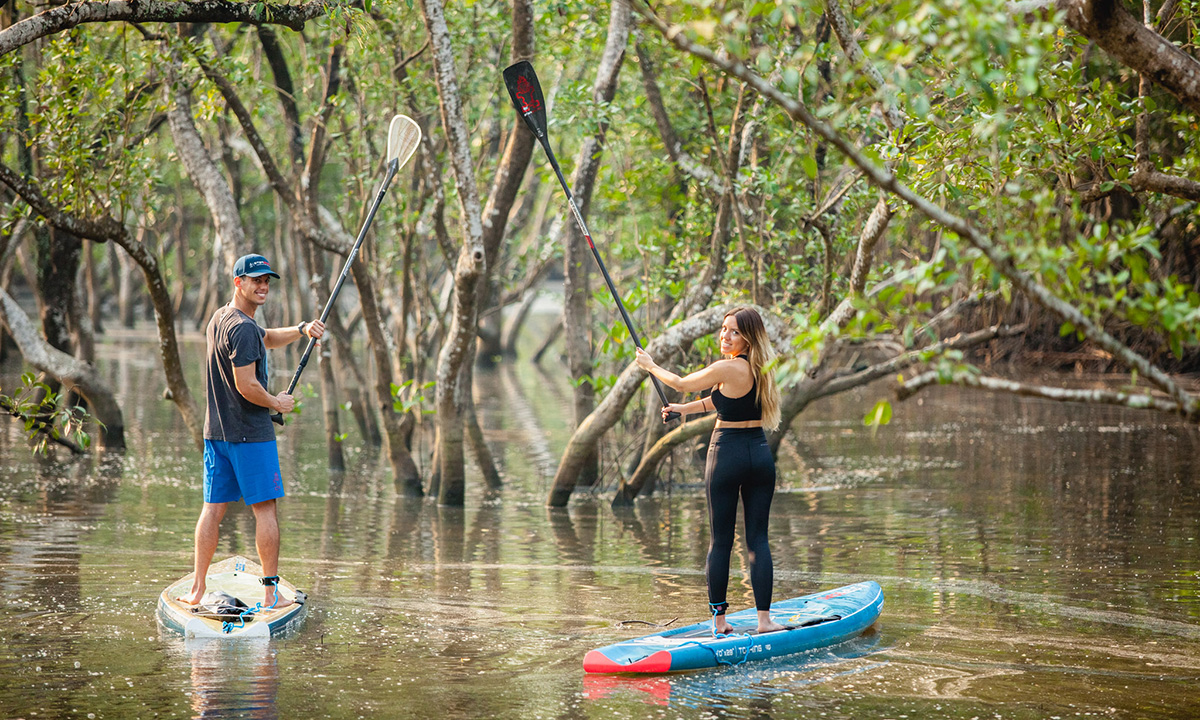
526	93
404	135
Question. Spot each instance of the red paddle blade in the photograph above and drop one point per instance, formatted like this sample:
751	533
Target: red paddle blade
526	93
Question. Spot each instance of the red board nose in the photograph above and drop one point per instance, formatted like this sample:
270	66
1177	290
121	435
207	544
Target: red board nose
597	662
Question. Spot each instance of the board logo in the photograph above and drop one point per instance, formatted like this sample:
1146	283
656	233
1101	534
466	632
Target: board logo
530	102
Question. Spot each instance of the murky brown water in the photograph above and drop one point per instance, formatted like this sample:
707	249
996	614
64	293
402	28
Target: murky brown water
1039	560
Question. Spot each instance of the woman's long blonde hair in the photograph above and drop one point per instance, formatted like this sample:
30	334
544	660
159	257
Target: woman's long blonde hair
760	353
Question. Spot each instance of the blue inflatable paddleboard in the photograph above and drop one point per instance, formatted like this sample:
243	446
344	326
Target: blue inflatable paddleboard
813	621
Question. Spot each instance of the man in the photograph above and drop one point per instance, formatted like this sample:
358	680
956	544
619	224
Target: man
241	461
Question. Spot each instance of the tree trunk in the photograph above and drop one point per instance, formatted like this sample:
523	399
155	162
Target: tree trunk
469	268
207	177
105	229
551	335
58	268
67	370
512	330
329	405
95	310
404	470
83	337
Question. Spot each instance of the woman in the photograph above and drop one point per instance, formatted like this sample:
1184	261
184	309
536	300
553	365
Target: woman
739	459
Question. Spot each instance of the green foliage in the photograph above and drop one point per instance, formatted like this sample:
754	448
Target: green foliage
36	406
1007	121
408	396
880	414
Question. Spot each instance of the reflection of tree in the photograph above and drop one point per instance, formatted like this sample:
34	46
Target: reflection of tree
448	537
1026	493
517	406
573	550
483	546
405	532
330	529
41	562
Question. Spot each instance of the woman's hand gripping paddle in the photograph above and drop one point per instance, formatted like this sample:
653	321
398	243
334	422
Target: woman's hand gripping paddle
403	137
526	93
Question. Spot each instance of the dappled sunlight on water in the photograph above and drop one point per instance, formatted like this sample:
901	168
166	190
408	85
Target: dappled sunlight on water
1038	560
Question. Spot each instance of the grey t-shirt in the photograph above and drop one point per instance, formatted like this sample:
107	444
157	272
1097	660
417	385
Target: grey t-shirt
234	340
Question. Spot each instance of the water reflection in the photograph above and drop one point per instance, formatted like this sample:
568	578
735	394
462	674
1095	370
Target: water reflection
230	679
753	686
1038	560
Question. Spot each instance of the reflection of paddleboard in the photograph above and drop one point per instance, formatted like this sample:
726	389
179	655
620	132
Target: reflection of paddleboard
813	621
237	577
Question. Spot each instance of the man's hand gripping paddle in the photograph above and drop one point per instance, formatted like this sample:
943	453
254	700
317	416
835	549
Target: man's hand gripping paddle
526	94
403	137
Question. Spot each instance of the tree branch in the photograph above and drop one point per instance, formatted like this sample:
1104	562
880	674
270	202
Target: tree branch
854	53
629	489
1137	401
1000	258
65	17
1109	25
908	359
41	427
66	369
100	229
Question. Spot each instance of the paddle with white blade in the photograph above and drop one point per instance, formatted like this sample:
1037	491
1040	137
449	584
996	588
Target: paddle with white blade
403	137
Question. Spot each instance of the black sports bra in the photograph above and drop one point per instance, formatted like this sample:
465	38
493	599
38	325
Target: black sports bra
738	409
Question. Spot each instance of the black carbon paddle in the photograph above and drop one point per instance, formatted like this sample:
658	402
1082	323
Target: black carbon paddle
526	93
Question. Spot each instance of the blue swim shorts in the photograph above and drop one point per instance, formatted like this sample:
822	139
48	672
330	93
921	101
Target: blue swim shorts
236	471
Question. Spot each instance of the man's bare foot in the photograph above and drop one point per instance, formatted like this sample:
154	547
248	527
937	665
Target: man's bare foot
720	626
192	598
270	600
769	627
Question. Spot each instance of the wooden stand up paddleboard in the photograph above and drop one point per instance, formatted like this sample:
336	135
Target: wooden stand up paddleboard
238	577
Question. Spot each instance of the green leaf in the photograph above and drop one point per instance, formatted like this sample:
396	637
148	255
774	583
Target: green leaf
809	164
764	62
881	414
791	79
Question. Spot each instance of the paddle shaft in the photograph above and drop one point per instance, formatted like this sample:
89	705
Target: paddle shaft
392	168
612	288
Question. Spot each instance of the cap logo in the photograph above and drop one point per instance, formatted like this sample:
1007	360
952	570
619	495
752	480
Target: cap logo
253	265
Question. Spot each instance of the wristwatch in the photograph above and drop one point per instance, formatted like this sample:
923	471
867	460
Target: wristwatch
302	326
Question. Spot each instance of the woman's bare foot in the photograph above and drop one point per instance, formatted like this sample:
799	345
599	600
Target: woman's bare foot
766	624
721	626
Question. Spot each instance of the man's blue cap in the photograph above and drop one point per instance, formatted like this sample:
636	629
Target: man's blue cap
253	266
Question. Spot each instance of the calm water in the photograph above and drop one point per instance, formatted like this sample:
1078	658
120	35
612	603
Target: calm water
1039	560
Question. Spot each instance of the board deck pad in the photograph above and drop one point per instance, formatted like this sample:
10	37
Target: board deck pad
238	577
812	621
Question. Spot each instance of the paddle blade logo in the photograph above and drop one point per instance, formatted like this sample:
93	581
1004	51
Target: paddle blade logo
528	96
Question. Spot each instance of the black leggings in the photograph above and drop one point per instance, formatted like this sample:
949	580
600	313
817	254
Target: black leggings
739	461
